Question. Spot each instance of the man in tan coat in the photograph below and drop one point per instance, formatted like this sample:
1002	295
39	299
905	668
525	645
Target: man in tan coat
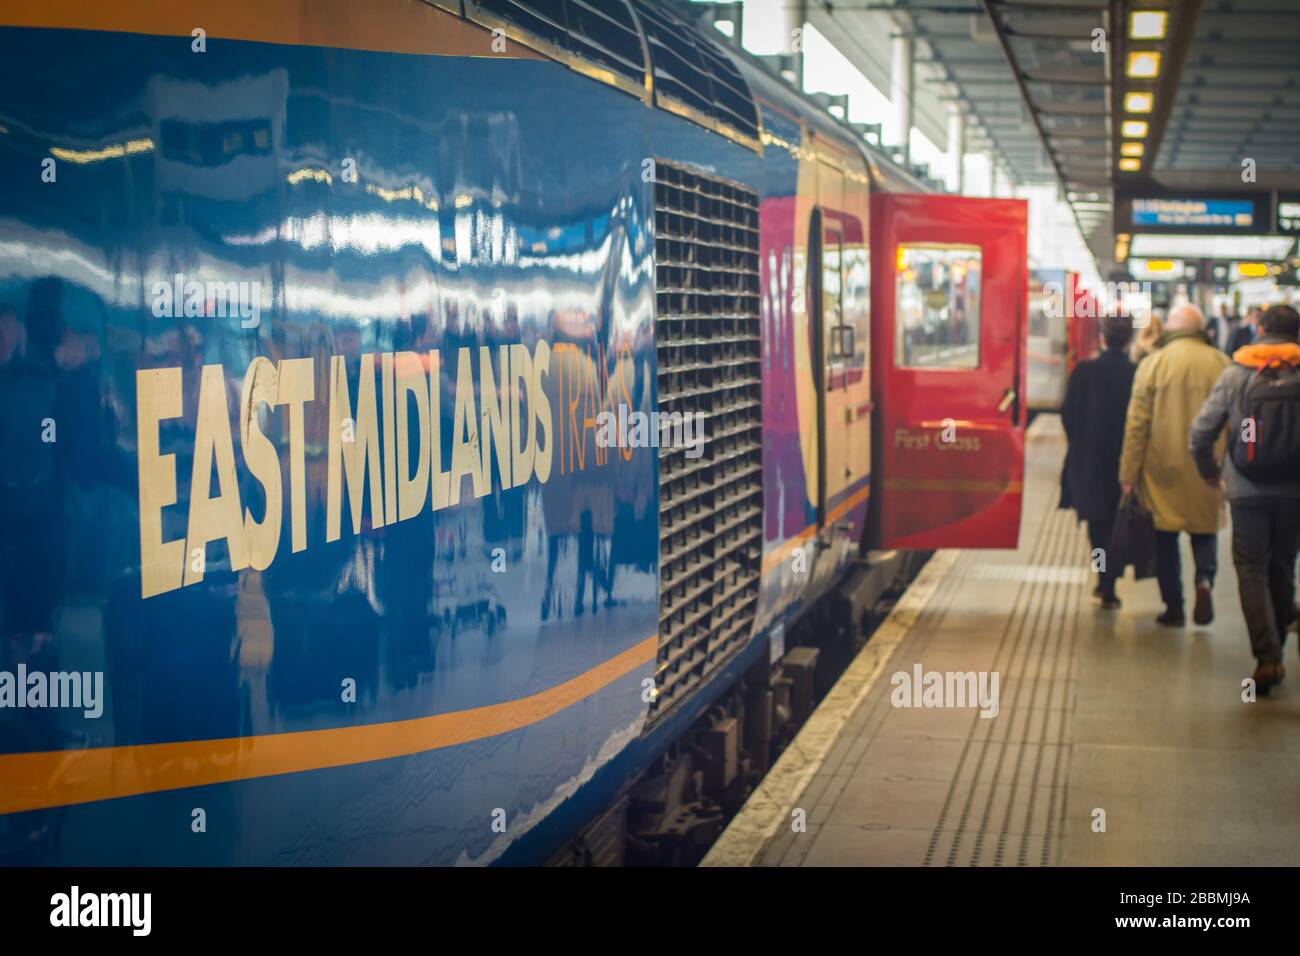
1171	385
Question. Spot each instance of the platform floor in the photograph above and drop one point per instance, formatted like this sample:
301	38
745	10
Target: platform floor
1098	711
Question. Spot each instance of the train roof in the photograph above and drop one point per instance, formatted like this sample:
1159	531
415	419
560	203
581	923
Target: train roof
648	49
885	172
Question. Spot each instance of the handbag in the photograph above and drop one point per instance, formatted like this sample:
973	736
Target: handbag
1133	540
1067	496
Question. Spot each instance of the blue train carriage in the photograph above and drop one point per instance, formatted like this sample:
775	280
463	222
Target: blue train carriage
325	332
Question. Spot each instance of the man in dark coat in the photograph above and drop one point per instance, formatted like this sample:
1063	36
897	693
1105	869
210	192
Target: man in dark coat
1244	332
1093	414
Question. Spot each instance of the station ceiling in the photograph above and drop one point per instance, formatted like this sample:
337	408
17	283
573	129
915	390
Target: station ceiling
1238	98
1045	86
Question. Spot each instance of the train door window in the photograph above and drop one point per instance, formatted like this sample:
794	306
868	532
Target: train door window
831	286
857	283
832	289
839	334
937	302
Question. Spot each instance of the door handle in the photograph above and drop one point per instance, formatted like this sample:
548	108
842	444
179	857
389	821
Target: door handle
1007	398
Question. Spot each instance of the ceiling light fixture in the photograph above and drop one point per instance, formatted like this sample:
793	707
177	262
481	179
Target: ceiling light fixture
1139	101
1148	24
1143	64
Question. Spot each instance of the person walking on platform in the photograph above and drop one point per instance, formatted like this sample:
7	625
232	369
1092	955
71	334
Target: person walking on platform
1218	329
1244	332
1145	341
1258	398
1170	387
1093	415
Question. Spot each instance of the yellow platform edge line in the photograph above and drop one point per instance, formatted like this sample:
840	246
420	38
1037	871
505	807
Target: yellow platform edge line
772	804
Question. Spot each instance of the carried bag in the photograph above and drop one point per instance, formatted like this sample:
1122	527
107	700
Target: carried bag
1133	540
1266	443
1067	496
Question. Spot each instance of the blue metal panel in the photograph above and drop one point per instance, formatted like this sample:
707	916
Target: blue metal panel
495	202
478	217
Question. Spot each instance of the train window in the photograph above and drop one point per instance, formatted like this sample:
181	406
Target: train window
732	100
937	306
838	335
603	31
693	71
542	18
678	70
831	278
597	37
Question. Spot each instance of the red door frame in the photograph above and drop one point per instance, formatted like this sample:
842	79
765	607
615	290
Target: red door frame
949	456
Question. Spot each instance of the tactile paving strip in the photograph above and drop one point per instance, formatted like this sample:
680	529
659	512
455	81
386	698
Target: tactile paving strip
1006	804
943	786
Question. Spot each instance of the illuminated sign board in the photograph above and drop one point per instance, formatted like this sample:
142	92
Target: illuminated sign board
1157	269
1221	214
1194	213
1288	214
1250	270
1240	248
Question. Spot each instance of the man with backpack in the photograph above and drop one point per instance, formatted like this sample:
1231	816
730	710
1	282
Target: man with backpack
1258	398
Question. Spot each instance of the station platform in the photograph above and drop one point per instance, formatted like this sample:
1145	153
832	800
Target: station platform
1098	711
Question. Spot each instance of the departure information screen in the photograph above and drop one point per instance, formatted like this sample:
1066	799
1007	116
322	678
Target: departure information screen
1288	215
1194	213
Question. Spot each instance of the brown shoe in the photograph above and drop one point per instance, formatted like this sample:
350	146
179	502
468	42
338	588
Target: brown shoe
1203	613
1266	675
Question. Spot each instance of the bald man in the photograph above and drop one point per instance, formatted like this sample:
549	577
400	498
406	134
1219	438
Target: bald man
1170	387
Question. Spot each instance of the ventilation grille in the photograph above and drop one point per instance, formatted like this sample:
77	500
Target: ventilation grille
603	31
598	31
708	344
694	73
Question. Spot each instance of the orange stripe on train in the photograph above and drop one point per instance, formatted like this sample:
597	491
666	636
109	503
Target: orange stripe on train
62	777
391	26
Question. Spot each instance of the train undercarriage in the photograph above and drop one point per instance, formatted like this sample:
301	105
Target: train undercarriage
672	812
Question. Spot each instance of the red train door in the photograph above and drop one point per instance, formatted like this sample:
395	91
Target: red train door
948	360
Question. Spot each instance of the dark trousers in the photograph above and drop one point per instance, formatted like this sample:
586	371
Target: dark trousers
1099	536
1169	565
1265	533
